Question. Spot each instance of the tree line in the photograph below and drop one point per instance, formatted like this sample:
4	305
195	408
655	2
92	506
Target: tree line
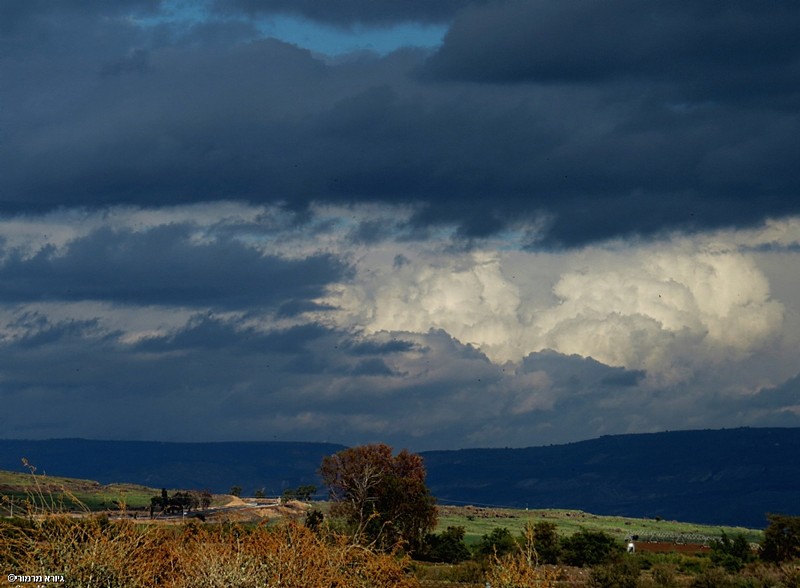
385	504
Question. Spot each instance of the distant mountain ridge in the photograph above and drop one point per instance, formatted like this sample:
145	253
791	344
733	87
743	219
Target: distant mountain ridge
271	465
729	476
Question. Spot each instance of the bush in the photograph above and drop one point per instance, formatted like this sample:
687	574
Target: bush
624	574
120	554
446	547
467	572
546	542
515	570
498	543
314	518
664	576
731	554
781	539
713	578
590	548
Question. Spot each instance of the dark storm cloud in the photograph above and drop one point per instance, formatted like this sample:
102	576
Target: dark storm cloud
725	44
779	404
213	333
221	379
630	119
38	332
372	347
163	266
346	13
15	13
372	367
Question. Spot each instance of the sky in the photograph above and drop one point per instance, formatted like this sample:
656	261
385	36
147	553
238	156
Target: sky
438	224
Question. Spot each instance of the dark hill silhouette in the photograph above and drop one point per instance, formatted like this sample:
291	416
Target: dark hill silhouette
217	467
730	477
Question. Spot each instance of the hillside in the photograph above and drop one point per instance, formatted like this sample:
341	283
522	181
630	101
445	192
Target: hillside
730	477
272	466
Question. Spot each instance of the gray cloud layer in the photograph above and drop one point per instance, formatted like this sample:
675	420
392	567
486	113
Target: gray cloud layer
163	266
236	383
206	232
624	118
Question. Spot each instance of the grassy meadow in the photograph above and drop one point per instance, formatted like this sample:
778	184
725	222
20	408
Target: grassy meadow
56	494
481	521
279	550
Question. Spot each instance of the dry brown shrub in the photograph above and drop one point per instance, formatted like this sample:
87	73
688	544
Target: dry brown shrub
95	552
522	569
514	571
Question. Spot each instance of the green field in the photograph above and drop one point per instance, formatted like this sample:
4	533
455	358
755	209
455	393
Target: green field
57	493
478	522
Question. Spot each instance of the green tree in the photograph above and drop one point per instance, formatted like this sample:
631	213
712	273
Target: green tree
546	542
781	538
236	490
499	542
731	554
590	548
305	493
446	547
382	497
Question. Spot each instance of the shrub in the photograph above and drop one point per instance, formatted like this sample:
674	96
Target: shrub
498	543
663	576
623	574
447	546
514	570
713	577
467	572
314	518
520	568
546	541
732	554
781	538
590	548
90	553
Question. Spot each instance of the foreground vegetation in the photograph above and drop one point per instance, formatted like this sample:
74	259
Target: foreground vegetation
381	530
93	552
478	521
58	493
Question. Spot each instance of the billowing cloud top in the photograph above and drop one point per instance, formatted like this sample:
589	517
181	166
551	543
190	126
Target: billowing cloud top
242	219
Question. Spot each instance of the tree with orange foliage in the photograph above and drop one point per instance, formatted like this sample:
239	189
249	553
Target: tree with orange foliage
382	497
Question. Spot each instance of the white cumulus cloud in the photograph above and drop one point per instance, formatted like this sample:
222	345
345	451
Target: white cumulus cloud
666	308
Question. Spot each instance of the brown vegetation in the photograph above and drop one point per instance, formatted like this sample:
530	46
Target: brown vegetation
95	552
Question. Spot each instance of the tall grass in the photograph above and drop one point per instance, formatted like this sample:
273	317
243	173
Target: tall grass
93	552
90	551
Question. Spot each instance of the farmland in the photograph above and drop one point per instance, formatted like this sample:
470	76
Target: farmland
70	494
261	528
479	521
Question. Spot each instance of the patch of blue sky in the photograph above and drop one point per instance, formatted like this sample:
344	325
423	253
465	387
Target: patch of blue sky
334	41
316	37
